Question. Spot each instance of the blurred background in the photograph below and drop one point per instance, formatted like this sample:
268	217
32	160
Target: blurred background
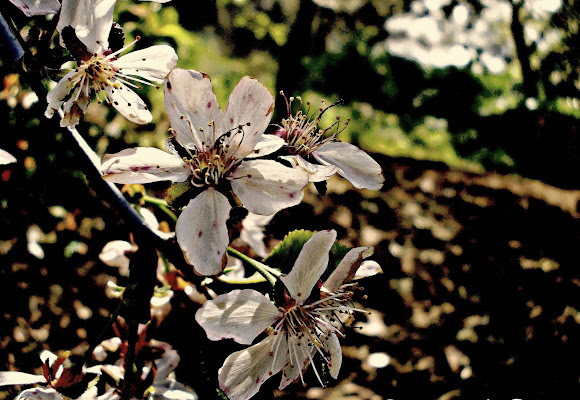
472	109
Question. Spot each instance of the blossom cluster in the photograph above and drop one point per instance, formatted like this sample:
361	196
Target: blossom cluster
218	160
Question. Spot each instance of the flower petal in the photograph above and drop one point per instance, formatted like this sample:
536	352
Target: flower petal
355	165
19	378
202	233
56	96
297	359
240	315
244	371
250	105
268	144
316	172
367	268
129	104
311	263
6	158
347	267
334	357
266	186
91	19
37	7
143	165
253	232
39	394
152	63
191	105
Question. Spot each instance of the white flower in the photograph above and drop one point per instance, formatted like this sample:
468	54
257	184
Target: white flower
84	27
321	155
297	328
214	146
37	7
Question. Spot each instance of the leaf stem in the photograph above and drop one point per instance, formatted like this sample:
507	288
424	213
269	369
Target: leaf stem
267	272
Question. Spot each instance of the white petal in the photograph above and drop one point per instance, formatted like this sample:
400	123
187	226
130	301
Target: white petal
268	144
37	7
56	96
189	94
334	357
91	19
166	364
74	108
347	267
202	233
39	394
249	103
19	378
240	315
128	103
310	265
355	165
114	254
297	359
143	165
266	186
244	371
317	172
6	158
152	63
253	232
48	357
368	268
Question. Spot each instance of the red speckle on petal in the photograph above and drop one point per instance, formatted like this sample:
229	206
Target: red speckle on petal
231	120
209	104
291	195
199	233
257	380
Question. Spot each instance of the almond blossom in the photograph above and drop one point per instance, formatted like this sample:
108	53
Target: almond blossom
84	27
321	154
299	326
214	160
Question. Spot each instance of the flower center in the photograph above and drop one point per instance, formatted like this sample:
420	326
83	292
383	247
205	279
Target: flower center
209	167
95	75
301	131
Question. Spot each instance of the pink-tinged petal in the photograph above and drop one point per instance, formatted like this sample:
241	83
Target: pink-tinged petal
316	172
310	265
143	165
297	359
268	144
55	98
250	105
334	354
240	315
91	19
266	186
152	63
191	105
347	267
202	233
129	104
37	7
39	394
19	378
244	371
353	163
6	158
